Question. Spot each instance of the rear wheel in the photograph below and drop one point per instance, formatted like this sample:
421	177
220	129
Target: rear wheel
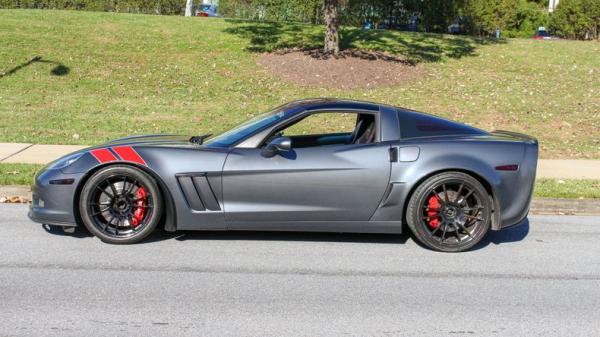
120	204
449	212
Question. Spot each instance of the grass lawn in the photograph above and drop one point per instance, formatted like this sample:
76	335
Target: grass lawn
22	174
551	188
70	77
18	174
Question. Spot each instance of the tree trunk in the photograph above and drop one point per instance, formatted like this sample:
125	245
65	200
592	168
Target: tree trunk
189	8
332	38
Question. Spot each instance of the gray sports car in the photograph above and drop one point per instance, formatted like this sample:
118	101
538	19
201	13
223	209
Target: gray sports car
363	167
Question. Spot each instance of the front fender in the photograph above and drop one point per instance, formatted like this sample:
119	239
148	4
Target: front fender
164	164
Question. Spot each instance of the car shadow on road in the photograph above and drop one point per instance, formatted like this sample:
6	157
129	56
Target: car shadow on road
78	232
162	235
507	235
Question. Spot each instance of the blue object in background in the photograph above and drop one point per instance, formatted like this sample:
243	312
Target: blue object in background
412	24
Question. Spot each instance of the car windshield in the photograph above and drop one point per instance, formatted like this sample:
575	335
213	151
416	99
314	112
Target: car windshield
249	127
543	33
205	7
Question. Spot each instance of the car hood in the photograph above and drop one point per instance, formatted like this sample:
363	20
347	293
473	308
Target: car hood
136	149
169	140
146	141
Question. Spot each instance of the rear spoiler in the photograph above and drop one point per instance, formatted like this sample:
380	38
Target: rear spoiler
515	135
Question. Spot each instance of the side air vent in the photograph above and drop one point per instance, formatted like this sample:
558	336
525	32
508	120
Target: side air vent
198	192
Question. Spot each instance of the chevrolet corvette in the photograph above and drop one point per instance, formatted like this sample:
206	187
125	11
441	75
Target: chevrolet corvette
361	167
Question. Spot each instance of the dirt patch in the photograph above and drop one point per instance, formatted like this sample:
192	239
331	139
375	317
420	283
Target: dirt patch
353	69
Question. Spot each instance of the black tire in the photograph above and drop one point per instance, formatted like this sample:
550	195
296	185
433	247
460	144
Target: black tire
120	204
446	217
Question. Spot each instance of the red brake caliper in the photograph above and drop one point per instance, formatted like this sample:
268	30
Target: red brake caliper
432	213
140	209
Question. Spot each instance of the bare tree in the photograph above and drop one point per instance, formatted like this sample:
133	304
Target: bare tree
189	8
332	36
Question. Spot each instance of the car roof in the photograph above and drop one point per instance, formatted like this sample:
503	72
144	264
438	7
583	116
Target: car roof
331	104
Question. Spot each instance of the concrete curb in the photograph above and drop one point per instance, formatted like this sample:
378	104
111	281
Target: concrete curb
565	206
19	193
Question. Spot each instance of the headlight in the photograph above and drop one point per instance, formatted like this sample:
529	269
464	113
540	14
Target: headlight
64	161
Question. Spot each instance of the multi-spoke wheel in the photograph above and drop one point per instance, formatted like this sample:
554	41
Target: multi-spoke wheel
449	212
120	204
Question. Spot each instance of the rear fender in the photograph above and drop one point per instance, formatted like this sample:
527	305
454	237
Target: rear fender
407	176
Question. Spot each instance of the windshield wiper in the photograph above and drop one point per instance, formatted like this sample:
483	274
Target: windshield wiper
199	139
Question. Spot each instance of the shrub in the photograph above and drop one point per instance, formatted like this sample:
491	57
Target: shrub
576	19
515	18
168	7
307	11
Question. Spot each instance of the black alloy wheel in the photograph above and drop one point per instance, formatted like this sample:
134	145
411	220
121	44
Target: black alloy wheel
450	212
120	204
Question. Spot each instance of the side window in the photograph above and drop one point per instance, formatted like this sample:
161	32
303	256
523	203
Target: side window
331	128
415	125
322	124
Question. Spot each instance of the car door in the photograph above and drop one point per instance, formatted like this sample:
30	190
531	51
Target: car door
331	182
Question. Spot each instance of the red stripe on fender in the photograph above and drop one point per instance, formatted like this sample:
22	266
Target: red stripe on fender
127	153
103	155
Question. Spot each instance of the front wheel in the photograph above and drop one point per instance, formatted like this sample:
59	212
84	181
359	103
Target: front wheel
120	204
449	212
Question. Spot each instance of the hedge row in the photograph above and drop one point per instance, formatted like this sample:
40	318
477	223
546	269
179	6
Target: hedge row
576	19
165	7
308	11
478	17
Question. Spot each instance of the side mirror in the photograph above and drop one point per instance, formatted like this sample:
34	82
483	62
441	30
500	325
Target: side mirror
277	145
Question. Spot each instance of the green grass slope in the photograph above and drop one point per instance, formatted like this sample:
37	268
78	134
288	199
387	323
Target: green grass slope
83	77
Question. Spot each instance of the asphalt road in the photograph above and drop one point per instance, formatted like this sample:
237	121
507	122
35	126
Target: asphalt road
540	279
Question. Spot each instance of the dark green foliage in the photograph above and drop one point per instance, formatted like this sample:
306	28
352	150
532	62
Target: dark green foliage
515	18
307	11
576	19
437	15
355	12
165	7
